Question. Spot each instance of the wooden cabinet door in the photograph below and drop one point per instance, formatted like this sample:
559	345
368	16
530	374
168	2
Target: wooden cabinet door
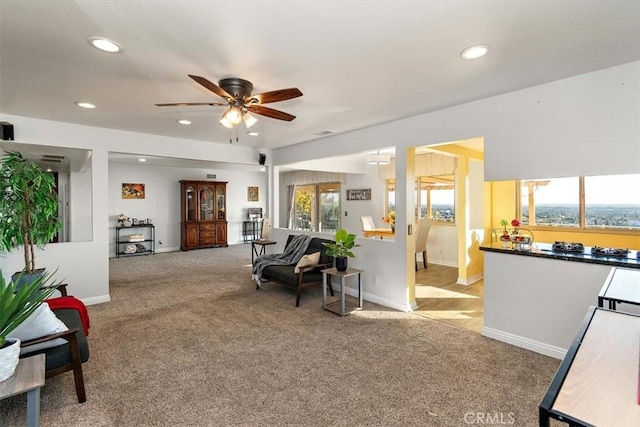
221	233
206	202
191	238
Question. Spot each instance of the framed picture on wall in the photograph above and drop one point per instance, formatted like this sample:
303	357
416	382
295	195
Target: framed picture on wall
132	191
252	194
359	194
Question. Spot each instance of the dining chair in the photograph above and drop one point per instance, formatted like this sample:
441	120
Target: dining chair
367	223
422	235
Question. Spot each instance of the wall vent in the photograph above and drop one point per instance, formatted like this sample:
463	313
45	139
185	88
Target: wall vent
324	132
211	176
52	158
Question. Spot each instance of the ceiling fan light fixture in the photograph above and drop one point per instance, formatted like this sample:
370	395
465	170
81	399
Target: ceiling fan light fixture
233	115
249	119
226	123
378	159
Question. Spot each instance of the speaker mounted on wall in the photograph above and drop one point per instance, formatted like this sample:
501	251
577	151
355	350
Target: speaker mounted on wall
6	131
262	159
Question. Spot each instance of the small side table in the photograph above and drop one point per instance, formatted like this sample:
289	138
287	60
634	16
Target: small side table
263	246
28	378
326	273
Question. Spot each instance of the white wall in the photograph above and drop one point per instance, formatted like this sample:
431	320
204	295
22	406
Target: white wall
162	199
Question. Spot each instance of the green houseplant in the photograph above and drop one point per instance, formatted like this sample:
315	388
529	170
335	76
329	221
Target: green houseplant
28	207
341	249
17	303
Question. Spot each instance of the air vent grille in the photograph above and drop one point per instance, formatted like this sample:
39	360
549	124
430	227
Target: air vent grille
324	132
52	158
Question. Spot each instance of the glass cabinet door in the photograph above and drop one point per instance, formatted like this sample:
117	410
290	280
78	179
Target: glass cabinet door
220	202
191	203
206	203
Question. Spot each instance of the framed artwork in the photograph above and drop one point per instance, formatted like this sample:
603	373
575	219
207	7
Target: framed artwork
132	191
252	194
359	194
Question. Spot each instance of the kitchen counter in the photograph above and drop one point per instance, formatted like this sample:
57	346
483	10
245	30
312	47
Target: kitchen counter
543	250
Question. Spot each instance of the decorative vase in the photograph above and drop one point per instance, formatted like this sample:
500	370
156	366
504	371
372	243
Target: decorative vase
9	358
341	263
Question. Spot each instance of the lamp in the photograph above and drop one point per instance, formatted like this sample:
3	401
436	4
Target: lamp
378	159
249	120
233	116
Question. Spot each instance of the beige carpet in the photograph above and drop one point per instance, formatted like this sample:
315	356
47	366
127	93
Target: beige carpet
188	341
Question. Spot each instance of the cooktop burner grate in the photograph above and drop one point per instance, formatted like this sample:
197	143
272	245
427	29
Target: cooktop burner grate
567	247
610	252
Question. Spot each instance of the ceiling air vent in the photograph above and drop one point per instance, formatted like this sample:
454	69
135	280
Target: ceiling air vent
52	158
324	132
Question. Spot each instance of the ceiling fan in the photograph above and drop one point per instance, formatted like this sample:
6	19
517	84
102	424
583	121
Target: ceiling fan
240	102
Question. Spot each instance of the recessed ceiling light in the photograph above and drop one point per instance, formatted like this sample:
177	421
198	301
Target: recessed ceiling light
476	51
253	133
85	104
105	45
184	122
142	160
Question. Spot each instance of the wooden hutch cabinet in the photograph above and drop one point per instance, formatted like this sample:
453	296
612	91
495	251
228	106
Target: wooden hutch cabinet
204	214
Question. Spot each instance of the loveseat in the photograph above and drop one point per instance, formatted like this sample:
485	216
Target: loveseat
285	275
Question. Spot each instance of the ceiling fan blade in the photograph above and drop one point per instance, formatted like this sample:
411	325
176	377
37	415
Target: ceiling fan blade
270	112
274	96
184	104
212	87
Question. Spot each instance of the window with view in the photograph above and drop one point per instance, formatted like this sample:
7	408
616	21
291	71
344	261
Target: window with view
607	202
317	207
435	197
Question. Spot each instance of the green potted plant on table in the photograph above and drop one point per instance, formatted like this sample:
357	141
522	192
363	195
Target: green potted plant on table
17	303
28	209
341	249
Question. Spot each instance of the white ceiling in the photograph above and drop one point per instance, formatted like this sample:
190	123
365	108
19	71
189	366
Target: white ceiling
358	63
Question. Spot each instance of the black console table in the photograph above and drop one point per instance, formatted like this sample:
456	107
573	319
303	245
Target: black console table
144	246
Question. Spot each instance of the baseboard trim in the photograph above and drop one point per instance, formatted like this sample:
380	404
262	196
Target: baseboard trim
96	300
470	281
442	262
375	299
526	343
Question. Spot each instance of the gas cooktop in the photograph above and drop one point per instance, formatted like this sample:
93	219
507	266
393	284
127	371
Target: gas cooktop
567	247
610	252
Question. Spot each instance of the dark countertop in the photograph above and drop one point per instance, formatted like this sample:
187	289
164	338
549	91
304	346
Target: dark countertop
543	250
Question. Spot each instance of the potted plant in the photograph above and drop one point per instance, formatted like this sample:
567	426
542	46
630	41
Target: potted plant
28	208
17	303
341	249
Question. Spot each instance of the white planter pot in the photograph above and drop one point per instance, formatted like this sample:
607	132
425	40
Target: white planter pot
9	358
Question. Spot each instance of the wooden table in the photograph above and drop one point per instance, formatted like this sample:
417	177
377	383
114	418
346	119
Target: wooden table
597	382
380	232
622	286
28	378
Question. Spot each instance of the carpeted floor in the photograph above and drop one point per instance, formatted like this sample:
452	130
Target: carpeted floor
188	341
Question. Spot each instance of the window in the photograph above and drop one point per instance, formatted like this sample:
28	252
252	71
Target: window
317	207
604	202
612	201
435	198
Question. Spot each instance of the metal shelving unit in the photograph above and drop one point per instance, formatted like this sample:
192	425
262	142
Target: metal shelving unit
149	241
